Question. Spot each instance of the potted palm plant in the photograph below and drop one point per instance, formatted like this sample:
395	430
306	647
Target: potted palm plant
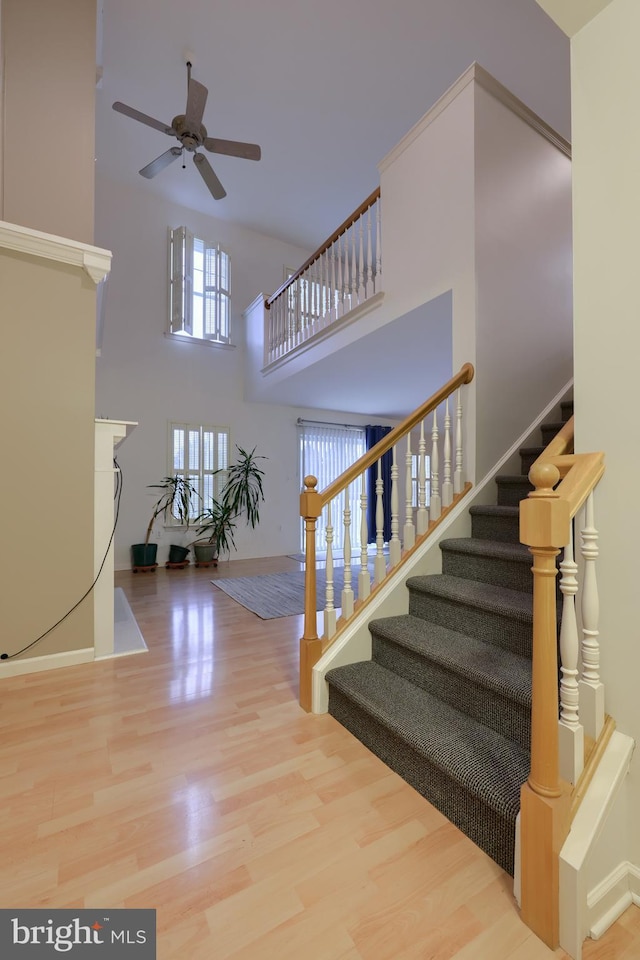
218	523
242	492
177	498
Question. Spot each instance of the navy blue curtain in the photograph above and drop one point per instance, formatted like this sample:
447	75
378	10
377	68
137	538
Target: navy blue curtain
373	434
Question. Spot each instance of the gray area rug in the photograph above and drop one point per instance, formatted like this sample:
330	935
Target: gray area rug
282	594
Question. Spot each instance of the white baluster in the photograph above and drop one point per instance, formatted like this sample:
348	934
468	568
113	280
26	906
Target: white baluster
321	291
354	267
447	485
364	577
332	286
395	547
340	297
378	284
409	532
457	474
362	296
570	730
379	566
422	517
435	505
315	308
591	688
368	286
347	590
305	312
329	609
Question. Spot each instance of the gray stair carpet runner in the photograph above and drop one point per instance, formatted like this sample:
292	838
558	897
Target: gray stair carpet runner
446	699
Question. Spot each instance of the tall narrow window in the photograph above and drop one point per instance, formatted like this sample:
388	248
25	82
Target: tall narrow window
199	288
326	451
198	452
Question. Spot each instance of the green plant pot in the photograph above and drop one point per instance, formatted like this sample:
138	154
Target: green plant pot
205	552
143	554
177	554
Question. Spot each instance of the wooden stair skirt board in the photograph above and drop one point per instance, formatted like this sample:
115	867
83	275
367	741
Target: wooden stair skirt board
445	700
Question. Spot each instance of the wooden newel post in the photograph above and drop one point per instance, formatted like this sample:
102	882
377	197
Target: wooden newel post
544	527
310	644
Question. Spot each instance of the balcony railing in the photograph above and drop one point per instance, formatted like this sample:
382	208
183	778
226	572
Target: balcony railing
343	273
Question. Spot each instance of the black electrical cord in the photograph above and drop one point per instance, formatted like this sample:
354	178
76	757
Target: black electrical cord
117	496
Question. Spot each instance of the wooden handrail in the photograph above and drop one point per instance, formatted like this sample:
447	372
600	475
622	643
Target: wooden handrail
364	206
465	375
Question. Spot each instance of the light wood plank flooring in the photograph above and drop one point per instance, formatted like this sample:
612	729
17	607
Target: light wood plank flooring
187	779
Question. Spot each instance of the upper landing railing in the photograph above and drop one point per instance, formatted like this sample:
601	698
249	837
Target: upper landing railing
343	273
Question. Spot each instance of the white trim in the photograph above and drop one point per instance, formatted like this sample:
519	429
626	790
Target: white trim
187	338
610	898
50	661
95	261
489	83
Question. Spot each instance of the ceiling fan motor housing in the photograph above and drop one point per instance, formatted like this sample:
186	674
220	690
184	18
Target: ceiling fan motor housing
190	139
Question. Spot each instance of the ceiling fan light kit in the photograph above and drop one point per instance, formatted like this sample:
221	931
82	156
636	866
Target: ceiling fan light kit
189	130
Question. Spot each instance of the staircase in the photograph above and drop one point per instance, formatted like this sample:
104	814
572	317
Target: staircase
446	699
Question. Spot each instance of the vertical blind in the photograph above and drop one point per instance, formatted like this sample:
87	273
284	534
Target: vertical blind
326	451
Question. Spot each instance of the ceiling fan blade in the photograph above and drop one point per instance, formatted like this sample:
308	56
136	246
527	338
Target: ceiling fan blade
206	172
233	148
196	102
160	162
143	118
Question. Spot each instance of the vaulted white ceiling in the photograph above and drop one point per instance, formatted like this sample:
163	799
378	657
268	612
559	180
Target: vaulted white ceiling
326	88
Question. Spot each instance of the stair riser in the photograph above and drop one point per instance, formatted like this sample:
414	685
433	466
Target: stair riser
491	831
496	711
527	461
549	432
502	573
504	529
502	631
510	494
567	409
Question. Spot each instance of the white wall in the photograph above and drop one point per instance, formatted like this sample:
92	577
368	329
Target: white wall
142	375
524	320
606	138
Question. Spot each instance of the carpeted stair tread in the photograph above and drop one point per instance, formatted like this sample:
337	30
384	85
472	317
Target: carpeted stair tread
493	510
482	761
483	663
498	549
515	604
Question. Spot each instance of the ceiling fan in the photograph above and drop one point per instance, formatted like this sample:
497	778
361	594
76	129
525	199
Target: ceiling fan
188	129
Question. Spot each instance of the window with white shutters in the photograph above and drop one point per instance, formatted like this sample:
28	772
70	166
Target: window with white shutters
199	288
200	453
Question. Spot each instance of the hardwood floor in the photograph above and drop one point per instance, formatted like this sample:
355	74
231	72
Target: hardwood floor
188	780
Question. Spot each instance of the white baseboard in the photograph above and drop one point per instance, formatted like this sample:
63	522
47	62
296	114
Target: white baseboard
50	661
611	897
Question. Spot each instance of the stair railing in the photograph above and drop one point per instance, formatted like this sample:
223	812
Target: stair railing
426	503
343	273
564	483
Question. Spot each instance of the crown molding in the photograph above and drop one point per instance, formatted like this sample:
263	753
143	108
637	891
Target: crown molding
476	73
95	261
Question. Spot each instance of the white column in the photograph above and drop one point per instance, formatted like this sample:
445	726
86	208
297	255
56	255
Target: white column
347	590
329	610
591	688
422	517
364	577
395	547
447	485
435	504
379	566
570	732
409	533
457	474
